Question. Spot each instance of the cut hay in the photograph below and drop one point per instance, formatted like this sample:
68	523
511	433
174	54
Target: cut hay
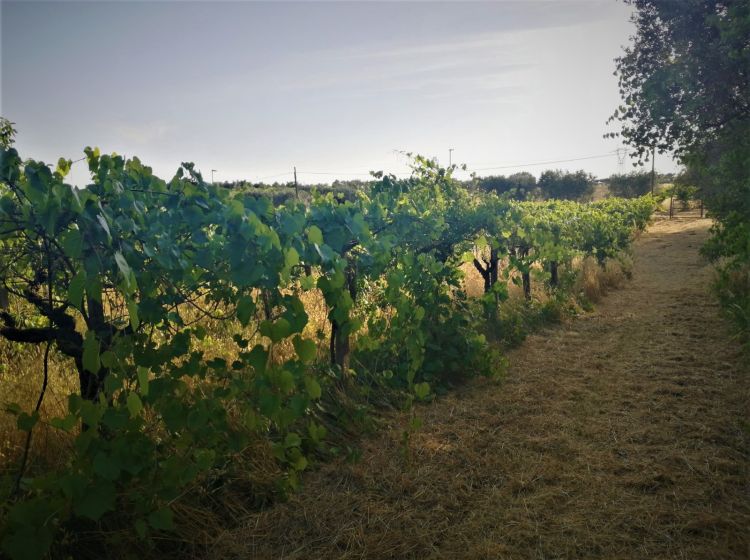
622	434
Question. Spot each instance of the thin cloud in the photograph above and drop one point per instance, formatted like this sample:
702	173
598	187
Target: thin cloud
144	133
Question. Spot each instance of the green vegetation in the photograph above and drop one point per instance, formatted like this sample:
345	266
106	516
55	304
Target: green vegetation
129	278
520	186
566	185
633	184
684	83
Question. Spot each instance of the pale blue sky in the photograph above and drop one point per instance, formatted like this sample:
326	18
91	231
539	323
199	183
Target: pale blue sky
251	89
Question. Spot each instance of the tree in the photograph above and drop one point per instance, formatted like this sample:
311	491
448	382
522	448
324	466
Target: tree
519	186
7	133
686	87
564	185
683	55
630	185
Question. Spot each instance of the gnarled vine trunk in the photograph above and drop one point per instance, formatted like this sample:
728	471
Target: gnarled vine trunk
340	346
553	275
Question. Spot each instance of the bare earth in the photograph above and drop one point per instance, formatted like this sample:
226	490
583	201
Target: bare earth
621	434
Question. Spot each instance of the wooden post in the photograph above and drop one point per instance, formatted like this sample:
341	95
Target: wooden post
701	207
671	204
653	169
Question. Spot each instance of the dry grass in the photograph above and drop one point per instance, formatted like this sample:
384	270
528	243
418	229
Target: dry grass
623	434
593	281
21	368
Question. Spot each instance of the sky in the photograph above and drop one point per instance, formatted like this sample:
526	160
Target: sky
337	89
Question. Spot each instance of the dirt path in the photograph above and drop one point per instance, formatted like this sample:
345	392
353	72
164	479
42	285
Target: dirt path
623	434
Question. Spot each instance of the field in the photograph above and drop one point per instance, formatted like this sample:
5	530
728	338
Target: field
312	338
181	357
619	434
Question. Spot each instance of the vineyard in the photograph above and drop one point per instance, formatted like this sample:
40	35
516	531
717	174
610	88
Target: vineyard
176	316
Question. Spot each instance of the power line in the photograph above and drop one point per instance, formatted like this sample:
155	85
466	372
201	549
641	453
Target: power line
333	173
497	167
276	175
610	154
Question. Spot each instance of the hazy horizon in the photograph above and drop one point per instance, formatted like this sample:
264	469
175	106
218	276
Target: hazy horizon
335	89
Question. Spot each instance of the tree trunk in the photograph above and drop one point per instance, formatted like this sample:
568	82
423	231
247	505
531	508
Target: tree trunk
485	273
489	272
92	383
553	280
494	266
340	346
526	277
267	307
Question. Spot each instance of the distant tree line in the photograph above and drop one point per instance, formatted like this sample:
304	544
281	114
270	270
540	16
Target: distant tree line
630	185
280	192
553	183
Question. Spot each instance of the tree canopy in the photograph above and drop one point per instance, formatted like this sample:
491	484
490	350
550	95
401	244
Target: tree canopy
629	185
684	79
519	186
684	82
565	185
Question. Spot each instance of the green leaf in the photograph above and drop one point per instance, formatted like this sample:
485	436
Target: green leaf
63	166
134	404
314	235
27	533
162	519
106	466
13	408
313	388
276	330
305	348
140	528
96	501
143	380
291	257
105	226
26	422
133	314
76	289
317	432
307	282
91	348
245	310
285	381
72	243
257	358
108	359
66	423
292	439
422	390
124	267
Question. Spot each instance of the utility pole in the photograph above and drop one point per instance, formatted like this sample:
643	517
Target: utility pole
212	175
653	169
296	187
450	156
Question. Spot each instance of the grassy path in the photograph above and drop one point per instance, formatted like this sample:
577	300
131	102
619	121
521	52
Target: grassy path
622	434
